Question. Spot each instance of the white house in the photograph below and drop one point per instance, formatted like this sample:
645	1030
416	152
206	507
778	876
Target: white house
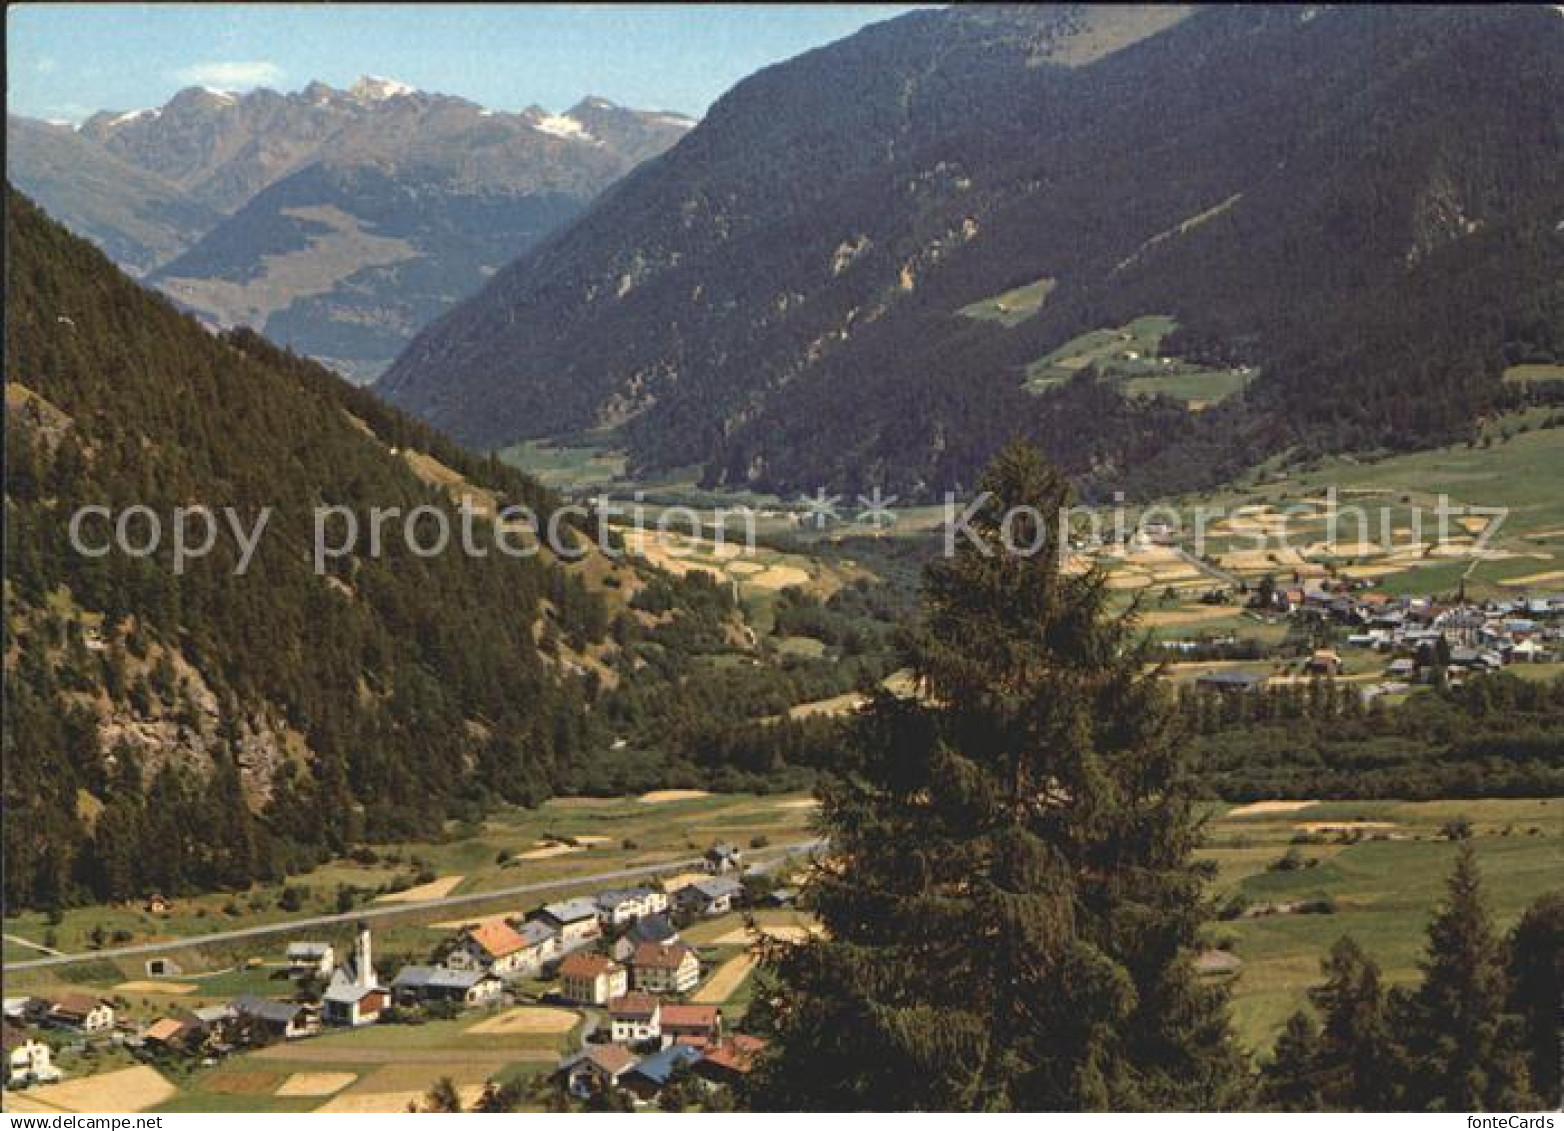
598	1069
27	1059
635	1018
592	979
540	945
495	947
82	1013
317	959
723	857
616	908
665	968
574	920
422	984
714	896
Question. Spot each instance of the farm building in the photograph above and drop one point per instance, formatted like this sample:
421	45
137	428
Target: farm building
724	857
1232	682
697	1025
81	1013
262	1019
170	1033
714	896
731	1061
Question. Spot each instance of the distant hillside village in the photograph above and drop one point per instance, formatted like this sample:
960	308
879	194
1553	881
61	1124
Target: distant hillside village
1421	639
616	956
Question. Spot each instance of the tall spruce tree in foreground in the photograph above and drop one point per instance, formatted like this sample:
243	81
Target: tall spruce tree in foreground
1289	1080
1465	1048
1010	897
1536	961
1357	1064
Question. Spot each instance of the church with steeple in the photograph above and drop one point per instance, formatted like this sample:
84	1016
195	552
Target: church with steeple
355	995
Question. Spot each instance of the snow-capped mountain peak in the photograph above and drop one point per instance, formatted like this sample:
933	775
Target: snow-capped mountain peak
373	88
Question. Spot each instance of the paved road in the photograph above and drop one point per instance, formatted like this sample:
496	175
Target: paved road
371	913
1207	568
29	944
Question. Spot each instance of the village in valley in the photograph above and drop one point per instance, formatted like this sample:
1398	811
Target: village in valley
1410	640
613	979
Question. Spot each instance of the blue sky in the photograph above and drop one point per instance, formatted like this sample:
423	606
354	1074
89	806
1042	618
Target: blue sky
65	61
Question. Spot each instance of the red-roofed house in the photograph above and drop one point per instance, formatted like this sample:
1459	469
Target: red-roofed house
592	979
494	946
635	1017
697	1025
598	1069
168	1033
665	968
730	1061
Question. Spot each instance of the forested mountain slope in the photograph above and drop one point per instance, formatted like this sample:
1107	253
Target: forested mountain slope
168	731
1359	204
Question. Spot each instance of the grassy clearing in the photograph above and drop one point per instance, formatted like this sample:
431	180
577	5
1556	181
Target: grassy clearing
1014	306
1142	337
1370	519
1195	387
1384	890
567	467
1132	356
1517	374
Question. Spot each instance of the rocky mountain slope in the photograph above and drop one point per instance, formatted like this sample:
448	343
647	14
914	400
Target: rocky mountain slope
860	268
136	216
338	222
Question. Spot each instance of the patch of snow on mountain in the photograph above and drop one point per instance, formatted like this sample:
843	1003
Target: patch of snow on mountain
373	88
133	115
562	125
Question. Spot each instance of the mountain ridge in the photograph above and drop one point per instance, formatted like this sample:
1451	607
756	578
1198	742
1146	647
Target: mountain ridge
186	195
801	258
